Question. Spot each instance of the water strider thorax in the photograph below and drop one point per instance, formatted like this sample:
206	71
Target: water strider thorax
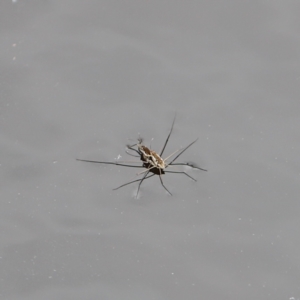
151	158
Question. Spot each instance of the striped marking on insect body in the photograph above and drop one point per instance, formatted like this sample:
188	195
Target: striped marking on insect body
151	157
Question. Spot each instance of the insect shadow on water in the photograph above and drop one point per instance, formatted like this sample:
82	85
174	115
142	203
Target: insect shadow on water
152	162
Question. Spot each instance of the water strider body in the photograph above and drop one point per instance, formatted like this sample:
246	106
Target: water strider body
152	162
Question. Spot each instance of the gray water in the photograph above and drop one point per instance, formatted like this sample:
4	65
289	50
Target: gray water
81	79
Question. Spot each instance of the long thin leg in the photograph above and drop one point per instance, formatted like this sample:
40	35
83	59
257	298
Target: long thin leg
130	148
133	181
184	149
166	142
148	169
141	183
140	140
131	154
164	185
171	154
181	172
109	163
188	165
127	161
